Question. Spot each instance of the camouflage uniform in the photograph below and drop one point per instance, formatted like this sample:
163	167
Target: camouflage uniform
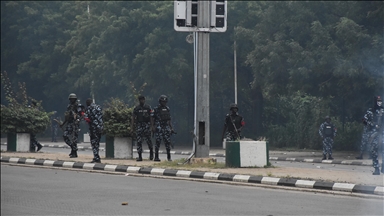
73	116
232	121
375	133
161	117
141	115
34	143
327	132
94	117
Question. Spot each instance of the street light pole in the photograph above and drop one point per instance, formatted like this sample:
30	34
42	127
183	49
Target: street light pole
235	69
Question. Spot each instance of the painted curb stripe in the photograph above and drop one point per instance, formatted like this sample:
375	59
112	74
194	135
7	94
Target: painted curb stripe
379	191
157	171
364	189
99	166
68	164
343	187
287	182
226	177
145	170
210	175
21	160
88	166
170	172
110	167
183	173
290	159
78	165
39	162
304	183
58	164
30	161
241	178
308	160
121	168
323	185
13	160
269	180
327	161
196	174
255	179
336	162
133	169
48	163
317	160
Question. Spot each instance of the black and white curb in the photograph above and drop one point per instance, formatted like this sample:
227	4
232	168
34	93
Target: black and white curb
378	190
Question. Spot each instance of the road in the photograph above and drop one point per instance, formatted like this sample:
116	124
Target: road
39	191
340	167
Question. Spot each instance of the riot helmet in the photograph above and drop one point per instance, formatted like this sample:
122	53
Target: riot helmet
233	106
163	98
72	96
378	101
141	97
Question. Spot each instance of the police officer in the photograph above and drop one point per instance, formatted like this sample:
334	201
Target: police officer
233	124
375	121
141	120
162	127
72	118
54	127
34	143
94	117
327	132
364	140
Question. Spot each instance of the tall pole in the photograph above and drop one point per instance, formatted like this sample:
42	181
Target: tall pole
235	70
202	123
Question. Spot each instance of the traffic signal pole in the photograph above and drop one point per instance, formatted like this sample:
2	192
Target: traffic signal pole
202	123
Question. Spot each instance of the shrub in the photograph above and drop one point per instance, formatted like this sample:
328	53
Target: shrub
117	118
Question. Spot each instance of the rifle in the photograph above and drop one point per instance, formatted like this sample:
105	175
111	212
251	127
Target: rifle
172	132
234	126
59	122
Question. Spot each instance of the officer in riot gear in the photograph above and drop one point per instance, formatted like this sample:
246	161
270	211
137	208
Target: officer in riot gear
162	127
233	124
141	120
72	117
375	121
327	132
94	117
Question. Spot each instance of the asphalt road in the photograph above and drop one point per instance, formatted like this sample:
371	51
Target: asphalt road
340	167
39	191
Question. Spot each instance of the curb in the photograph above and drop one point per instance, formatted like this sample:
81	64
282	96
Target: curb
344	187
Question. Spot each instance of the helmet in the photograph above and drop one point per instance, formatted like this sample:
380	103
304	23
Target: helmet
233	105
72	95
163	98
327	117
141	97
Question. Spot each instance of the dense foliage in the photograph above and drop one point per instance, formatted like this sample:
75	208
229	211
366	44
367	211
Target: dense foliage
19	116
297	61
117	118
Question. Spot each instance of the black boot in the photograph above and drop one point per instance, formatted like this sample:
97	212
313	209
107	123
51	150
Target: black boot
39	146
70	154
139	158
377	171
74	154
150	154
360	156
96	160
169	155
324	157
157	156
330	157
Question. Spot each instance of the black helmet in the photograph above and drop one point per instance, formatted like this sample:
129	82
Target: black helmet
163	98
141	97
72	96
327	117
233	105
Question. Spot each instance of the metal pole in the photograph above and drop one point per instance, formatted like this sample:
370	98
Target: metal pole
235	70
202	123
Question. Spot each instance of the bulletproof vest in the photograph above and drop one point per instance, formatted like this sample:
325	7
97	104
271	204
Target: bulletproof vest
233	121
143	113
328	130
71	112
164	114
378	117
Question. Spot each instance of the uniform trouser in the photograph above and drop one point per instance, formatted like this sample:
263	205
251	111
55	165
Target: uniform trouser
375	142
327	145
231	136
33	141
143	132
71	131
364	141
165	134
95	136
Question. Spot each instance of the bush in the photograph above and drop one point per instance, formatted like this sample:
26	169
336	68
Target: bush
117	118
19	116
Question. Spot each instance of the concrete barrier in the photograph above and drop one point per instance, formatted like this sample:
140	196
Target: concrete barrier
119	147
18	142
246	154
